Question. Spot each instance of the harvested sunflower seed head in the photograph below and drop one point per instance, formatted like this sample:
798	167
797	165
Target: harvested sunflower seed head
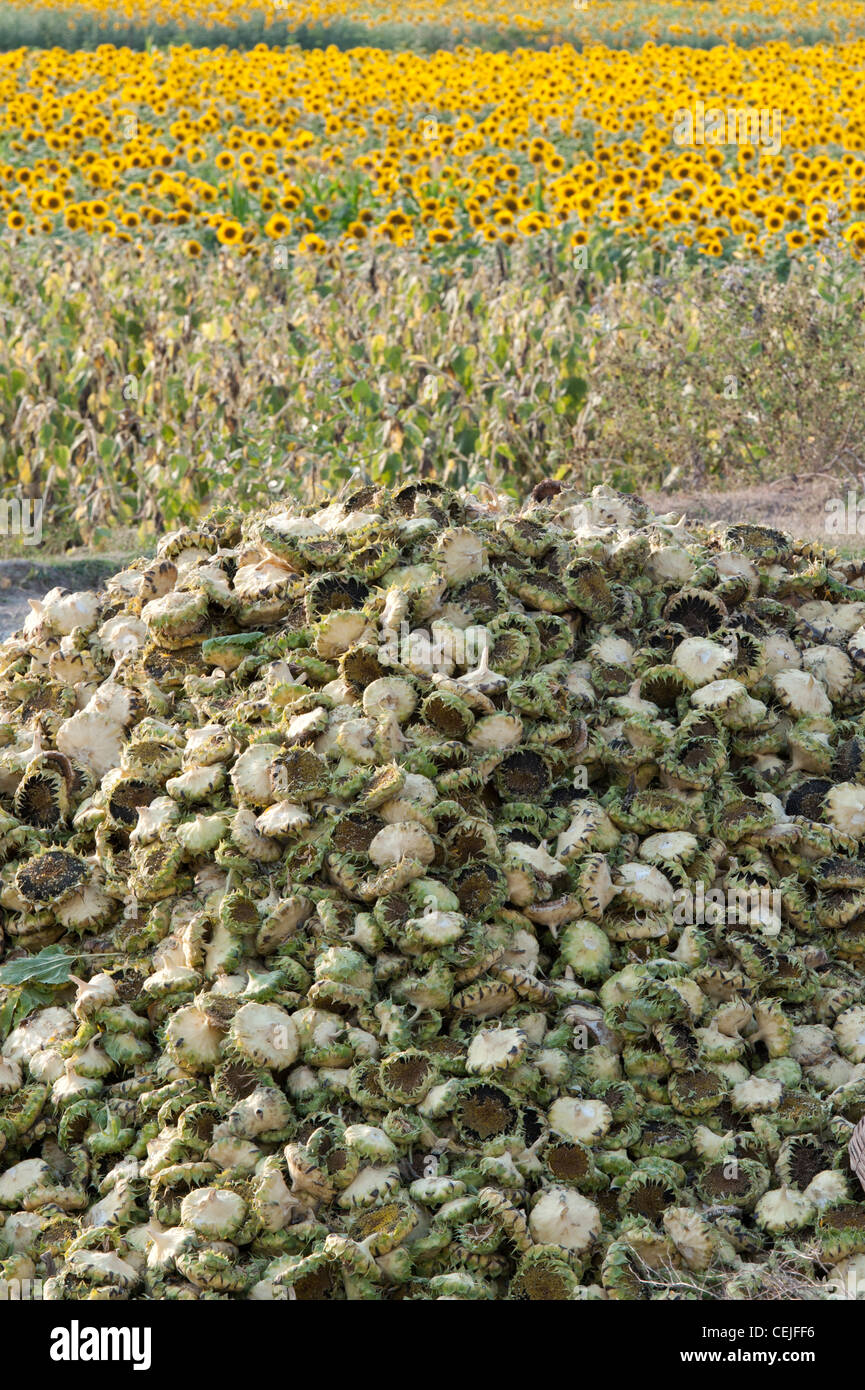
424	895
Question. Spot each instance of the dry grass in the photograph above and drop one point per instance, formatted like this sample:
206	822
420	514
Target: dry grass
787	1276
254	382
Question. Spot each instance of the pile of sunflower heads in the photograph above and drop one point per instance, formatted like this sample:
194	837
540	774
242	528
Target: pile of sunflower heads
465	902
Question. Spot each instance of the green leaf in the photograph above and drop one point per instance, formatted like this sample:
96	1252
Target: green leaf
412	433
7	1013
30	999
576	389
52	966
19	1003
459	366
467	438
363	394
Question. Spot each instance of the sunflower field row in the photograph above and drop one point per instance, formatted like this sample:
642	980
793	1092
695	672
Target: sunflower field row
427	24
304	151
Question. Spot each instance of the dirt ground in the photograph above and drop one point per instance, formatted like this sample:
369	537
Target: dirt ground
797	505
22	580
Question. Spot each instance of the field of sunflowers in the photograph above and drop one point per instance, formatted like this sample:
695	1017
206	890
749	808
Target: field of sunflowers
538	170
323	148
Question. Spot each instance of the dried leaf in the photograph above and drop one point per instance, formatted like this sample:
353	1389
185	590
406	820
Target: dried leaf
856	1150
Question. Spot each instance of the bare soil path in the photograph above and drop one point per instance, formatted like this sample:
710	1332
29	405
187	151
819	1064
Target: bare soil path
789	504
22	580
